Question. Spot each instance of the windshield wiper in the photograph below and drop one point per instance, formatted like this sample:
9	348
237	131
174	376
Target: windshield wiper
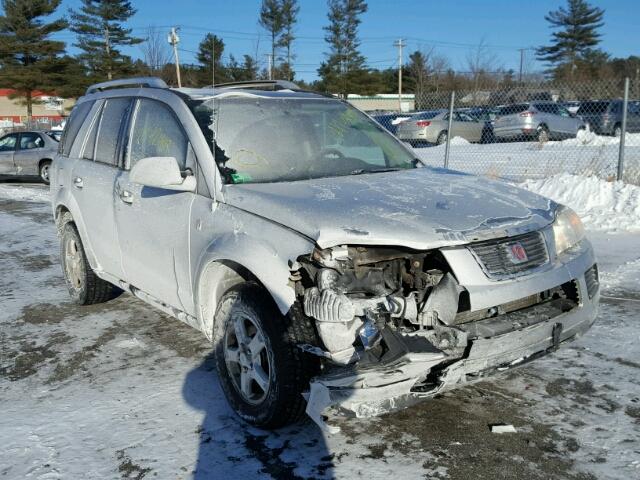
361	171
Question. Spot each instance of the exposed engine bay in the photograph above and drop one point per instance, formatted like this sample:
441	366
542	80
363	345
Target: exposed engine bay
360	297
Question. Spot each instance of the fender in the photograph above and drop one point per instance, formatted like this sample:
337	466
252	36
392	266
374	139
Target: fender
232	258
63	199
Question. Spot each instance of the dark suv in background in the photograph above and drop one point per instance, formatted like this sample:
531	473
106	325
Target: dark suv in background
605	116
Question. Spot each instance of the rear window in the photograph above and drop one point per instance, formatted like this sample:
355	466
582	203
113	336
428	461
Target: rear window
547	108
511	109
587	108
77	118
426	115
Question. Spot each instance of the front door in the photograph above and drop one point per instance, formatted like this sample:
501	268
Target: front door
8	145
153	223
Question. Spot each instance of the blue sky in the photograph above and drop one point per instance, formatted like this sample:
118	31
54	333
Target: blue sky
452	27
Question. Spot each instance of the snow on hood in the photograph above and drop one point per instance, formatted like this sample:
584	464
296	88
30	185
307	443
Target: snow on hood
420	208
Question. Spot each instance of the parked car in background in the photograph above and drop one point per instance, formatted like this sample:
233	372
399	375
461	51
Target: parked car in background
572	106
432	127
604	117
488	116
391	121
27	154
536	120
55	134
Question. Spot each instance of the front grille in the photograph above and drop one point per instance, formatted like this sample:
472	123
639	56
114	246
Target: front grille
591	278
498	261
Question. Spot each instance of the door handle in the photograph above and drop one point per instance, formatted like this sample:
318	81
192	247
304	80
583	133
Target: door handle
126	196
78	182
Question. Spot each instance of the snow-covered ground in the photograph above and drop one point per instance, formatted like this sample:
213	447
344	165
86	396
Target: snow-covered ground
119	390
587	154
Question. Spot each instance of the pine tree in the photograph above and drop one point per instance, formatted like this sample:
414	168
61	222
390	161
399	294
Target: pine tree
344	71
289	10
576	36
30	61
271	20
209	55
99	25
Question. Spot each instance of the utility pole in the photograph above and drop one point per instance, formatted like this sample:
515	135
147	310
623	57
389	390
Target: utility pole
400	43
270	68
522	50
173	39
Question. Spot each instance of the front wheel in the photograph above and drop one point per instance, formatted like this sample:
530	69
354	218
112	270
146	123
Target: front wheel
44	169
262	370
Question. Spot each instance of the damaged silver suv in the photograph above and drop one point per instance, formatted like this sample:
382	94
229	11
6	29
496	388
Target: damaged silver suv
331	269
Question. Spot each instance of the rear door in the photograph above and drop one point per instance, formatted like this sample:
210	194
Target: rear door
153	223
93	182
28	154
470	128
8	145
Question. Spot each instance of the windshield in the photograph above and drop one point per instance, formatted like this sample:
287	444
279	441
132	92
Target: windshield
261	140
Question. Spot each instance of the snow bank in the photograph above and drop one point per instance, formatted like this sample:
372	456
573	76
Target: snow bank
587	137
603	205
25	193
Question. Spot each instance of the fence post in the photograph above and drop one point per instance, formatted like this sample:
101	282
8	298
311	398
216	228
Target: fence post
625	106
448	144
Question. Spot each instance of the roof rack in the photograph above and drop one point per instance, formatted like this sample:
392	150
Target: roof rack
150	82
259	85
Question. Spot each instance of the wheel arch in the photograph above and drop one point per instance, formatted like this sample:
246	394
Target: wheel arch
230	261
65	210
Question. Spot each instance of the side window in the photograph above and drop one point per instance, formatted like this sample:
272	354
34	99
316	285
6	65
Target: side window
89	150
113	116
157	133
30	141
75	121
8	142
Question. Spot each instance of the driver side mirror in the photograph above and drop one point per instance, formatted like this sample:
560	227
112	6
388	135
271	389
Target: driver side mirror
161	172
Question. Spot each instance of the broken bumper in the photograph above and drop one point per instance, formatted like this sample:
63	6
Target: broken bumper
419	375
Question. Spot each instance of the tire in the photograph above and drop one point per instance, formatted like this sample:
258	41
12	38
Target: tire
542	134
487	136
617	131
85	287
442	137
264	375
43	171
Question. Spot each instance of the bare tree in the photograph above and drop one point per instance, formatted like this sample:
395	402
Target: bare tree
439	66
481	63
156	50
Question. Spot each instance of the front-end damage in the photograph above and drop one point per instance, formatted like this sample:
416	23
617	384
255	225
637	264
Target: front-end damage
397	326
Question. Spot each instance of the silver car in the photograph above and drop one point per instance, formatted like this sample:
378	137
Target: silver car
331	270
433	127
27	154
541	121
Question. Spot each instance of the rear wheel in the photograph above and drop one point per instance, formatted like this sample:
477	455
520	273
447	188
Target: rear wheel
442	138
617	131
85	287
45	167
262	370
542	134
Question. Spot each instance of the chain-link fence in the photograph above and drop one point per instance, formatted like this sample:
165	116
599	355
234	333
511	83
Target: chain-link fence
527	131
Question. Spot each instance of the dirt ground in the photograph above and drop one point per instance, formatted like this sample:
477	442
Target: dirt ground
120	390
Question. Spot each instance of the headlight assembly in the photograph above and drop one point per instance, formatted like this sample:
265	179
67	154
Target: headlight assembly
568	230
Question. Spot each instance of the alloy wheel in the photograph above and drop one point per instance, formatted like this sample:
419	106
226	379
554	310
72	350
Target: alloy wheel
247	359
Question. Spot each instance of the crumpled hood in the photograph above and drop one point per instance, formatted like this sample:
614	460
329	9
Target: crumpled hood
420	208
